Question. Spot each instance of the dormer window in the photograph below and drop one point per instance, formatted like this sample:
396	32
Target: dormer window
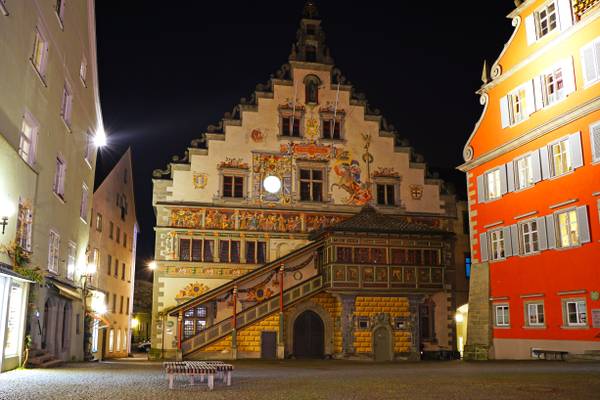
311	85
310	52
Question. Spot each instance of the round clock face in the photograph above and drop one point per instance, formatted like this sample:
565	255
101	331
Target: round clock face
272	184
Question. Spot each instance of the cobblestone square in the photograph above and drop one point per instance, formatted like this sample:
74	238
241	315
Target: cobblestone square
343	380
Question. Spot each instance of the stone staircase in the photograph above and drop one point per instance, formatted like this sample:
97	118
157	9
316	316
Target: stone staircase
588	355
251	315
42	359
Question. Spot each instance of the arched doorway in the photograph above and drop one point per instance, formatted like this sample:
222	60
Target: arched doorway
309	335
382	344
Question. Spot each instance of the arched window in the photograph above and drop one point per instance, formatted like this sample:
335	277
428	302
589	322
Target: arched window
311	85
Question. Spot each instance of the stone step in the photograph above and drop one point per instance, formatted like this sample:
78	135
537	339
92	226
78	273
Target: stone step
592	352
50	364
584	357
40	359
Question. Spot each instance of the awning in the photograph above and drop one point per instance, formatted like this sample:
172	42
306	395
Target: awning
67	292
100	318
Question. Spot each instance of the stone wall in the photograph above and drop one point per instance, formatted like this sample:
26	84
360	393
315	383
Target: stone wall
334	309
479	323
248	338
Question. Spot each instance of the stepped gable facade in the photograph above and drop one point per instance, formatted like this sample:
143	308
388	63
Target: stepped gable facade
303	153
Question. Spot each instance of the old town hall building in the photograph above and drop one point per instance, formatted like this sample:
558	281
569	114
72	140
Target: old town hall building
301	225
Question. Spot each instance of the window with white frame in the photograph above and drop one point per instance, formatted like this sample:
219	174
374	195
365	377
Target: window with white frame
502	315
560	158
89	148
28	139
58	187
83	71
311	184
386	194
24	225
575	312
71	257
535	314
546	19
529	236
53	251
590	62
39	57
517	105
524	169
83	210
595	141
568	230
493	186
553	86
331	128
66	104
497	251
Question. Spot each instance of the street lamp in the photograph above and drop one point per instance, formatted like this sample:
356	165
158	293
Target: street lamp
86	274
100	138
152	265
7	210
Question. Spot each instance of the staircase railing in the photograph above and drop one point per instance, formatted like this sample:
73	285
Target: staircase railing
250	315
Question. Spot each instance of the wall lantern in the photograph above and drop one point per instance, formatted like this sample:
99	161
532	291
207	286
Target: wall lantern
7	210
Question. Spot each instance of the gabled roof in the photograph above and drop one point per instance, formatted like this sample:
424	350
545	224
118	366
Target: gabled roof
369	220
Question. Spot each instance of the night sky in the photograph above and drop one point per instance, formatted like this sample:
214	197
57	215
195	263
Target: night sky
168	69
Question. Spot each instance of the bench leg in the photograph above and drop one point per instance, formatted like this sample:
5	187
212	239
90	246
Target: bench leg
191	379
170	381
228	378
211	381
201	378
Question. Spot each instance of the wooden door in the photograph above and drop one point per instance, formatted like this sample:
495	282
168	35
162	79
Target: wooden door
382	345
268	345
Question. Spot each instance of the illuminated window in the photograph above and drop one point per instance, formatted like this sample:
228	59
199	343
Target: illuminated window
118	340
39	56
89	148
568	230
535	314
95	331
194	321
502	317
28	139
529	237
497	244
560	158
575	312
493	185
524	169
111	340
71	258
24	225
99	222
468	265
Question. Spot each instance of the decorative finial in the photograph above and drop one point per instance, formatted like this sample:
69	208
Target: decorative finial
484	73
310	10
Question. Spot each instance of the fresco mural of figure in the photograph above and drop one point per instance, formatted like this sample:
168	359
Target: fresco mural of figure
349	179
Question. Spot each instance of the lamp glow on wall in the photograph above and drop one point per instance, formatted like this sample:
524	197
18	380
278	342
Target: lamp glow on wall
152	265
100	138
272	184
7	210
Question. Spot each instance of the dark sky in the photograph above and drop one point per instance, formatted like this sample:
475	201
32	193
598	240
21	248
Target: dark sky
167	69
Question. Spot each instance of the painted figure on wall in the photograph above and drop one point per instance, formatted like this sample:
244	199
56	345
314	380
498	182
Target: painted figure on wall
349	179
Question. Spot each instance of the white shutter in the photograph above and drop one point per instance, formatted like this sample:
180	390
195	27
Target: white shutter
550	231
481	188
504	114
530	29
589	64
483	247
514	237
510	176
542	234
536	168
545	162
595	141
568	76
507	242
583	224
503	183
537	92
565	14
575	149
529	97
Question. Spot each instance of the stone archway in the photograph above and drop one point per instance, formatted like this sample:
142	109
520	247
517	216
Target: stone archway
327	320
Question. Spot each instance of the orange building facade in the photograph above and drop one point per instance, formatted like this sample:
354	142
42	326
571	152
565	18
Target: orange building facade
533	177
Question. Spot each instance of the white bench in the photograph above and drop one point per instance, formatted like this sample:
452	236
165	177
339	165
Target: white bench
200	369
